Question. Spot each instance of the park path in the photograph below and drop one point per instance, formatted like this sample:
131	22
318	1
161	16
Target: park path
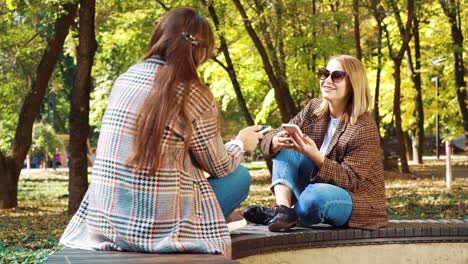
434	167
431	167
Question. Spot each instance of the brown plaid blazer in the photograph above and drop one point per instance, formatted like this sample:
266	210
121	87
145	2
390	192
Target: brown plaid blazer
353	162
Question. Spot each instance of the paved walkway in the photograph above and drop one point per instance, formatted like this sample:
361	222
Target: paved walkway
432	167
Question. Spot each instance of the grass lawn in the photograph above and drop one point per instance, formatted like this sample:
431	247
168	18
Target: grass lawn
30	232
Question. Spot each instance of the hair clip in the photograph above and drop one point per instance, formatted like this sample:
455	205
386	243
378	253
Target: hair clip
191	39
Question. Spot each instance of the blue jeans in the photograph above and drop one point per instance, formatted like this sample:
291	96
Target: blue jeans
315	202
232	189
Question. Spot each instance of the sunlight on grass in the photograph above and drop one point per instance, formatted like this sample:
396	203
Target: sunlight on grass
35	226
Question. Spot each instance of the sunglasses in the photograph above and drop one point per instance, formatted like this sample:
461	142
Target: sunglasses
336	76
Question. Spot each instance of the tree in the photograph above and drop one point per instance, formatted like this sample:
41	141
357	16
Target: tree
415	73
379	15
452	9
397	60
11	164
79	113
277	77
357	32
229	67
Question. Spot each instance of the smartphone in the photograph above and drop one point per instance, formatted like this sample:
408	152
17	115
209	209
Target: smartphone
264	129
292	129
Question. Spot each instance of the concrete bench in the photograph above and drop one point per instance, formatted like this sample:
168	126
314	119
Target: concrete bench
409	241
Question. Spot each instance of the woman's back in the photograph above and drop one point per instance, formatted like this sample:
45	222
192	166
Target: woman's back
128	210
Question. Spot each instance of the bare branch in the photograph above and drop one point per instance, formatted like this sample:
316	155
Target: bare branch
161	3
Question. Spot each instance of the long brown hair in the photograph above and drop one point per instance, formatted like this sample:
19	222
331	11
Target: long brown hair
184	40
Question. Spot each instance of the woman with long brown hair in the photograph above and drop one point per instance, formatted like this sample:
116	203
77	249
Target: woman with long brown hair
159	136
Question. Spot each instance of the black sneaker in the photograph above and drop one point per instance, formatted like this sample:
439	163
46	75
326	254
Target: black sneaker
284	219
259	214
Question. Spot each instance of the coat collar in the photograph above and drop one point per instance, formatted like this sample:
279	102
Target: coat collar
156	59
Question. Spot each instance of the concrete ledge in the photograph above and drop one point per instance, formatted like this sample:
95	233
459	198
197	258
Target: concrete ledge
408	241
254	240
426	253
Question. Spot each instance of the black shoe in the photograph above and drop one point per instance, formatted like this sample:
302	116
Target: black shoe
259	214
284	219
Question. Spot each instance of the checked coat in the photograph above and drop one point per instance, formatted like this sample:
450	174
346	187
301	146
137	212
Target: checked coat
174	210
353	161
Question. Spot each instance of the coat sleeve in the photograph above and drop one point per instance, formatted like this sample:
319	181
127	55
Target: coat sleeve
207	148
361	155
298	120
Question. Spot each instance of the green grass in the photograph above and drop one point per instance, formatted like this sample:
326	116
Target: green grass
30	232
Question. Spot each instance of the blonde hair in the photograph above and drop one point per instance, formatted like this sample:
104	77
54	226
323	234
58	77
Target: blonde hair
359	101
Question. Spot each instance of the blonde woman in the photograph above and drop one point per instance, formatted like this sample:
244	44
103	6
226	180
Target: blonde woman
333	172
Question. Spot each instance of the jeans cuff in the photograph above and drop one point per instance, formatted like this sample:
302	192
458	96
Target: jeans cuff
283	182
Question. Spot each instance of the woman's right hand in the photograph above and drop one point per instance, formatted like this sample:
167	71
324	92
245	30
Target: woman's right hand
281	140
250	137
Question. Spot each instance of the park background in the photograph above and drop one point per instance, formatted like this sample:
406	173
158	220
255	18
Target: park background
59	59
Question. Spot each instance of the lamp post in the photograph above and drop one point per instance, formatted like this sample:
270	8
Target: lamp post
448	144
435	79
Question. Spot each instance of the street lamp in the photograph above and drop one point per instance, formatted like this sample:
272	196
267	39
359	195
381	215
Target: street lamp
437	62
435	79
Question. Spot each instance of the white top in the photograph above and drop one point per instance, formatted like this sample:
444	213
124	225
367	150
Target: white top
330	131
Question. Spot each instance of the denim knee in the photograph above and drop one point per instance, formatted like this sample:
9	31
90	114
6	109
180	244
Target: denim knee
243	179
231	190
324	203
308	206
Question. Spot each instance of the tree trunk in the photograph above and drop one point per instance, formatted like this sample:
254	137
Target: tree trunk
452	10
282	94
230	66
314	40
11	165
378	19
419	130
415	74
408	145
377	81
9	183
397	113
79	113
388	164
357	32
406	37
281	59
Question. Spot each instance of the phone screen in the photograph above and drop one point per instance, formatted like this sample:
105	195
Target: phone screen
292	129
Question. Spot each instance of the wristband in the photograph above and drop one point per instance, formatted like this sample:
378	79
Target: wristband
237	142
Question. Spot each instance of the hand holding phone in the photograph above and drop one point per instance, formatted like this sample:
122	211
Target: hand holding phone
264	129
292	129
250	137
